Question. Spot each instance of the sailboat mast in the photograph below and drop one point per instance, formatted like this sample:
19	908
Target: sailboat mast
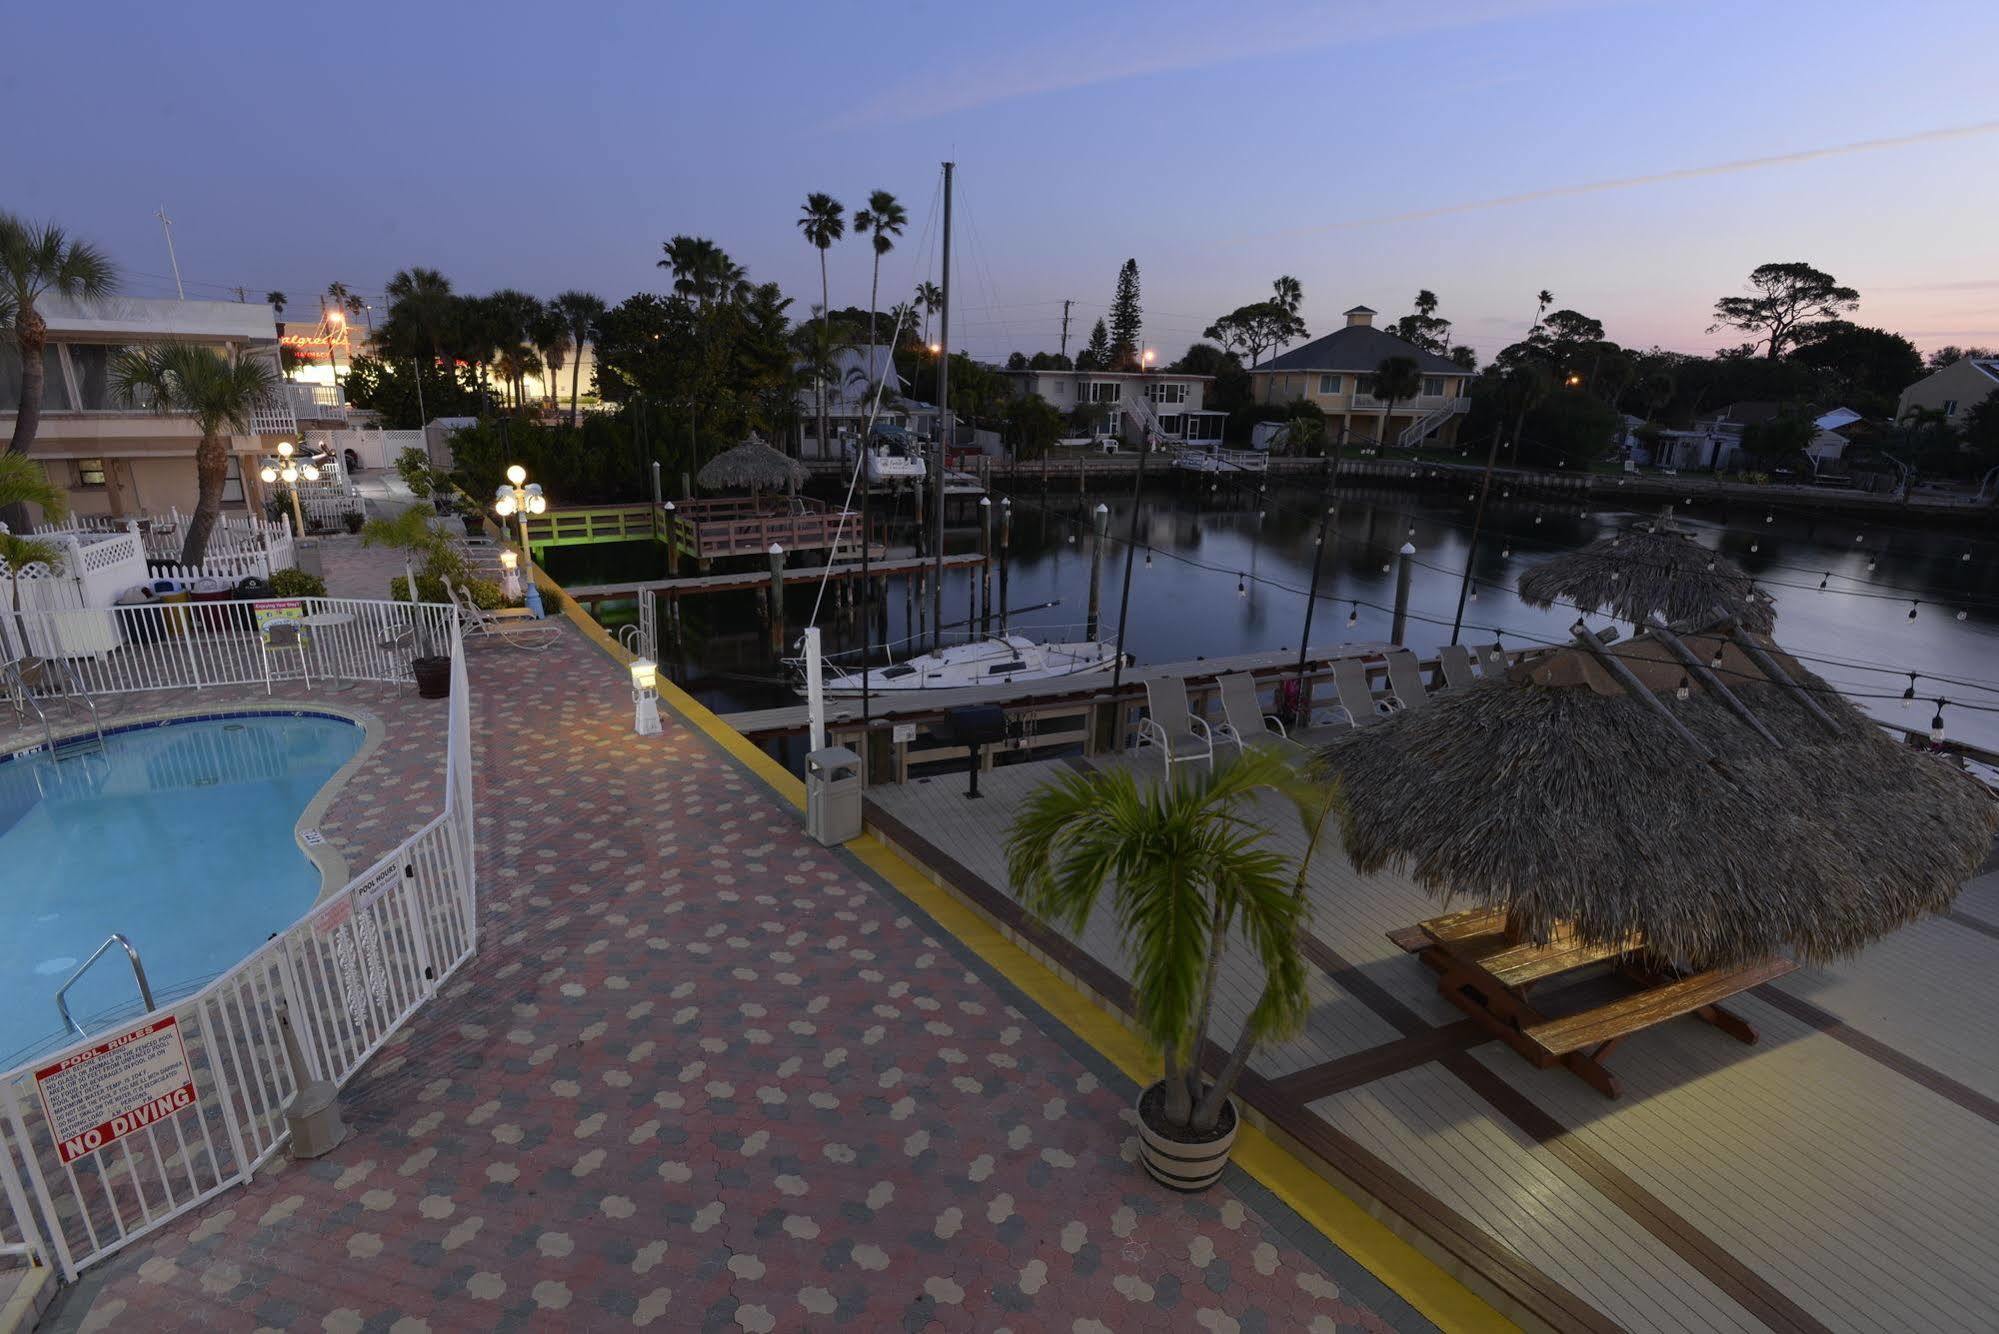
945	435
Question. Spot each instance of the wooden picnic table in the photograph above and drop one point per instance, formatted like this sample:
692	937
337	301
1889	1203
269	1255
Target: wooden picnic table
1487	970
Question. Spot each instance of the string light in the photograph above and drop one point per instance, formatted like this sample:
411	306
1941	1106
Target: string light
1241	588
1825	580
1961	615
1769	518
1474	592
1910	693
1683	690
1936	723
1148	558
1872	564
1353	617
1912	609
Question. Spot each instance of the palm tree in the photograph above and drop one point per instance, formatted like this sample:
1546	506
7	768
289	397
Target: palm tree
1290	294
221	395
1543	300
1185	867
886	218
902	315
420	303
37	259
822	222
549	332
931	297
703	271
276	301
582	310
1396	380
24	482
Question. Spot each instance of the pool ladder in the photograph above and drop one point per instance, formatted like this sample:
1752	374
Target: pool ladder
25	676
138	975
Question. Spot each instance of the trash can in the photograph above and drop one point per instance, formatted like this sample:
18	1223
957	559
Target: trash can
137	621
833	795
213	590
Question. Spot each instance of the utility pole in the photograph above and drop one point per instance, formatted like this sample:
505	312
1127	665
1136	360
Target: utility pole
1066	303
945	434
167	226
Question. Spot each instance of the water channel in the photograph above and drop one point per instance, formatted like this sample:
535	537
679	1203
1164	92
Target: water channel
1226	571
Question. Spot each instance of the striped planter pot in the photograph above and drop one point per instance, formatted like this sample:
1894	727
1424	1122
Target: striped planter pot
1187	1167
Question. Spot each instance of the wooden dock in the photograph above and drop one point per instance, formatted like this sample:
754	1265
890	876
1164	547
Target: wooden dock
1840	1175
592	594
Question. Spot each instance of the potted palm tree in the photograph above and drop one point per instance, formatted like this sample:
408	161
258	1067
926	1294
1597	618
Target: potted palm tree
434	559
1189	878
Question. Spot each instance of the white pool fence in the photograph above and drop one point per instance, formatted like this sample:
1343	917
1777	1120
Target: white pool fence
346	977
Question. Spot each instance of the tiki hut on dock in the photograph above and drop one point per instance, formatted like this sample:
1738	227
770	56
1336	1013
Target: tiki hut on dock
1701	790
1654	566
753	466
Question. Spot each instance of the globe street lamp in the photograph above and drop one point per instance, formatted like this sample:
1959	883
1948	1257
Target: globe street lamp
288	470
517	495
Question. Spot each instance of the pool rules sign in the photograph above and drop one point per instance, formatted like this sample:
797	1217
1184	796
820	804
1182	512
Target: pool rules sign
116	1088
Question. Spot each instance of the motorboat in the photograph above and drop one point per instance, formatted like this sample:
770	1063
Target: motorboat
1006	659
892	455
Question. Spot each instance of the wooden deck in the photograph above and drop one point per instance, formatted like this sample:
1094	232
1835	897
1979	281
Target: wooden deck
1843	1174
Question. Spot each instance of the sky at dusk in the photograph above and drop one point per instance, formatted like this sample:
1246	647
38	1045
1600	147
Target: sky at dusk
1358	146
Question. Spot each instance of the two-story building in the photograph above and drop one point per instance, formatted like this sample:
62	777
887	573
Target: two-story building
1951	392
132	460
1110	398
1337	373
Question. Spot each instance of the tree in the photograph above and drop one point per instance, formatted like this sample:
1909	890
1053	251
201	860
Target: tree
1981	431
1950	354
1125	319
703	271
24	482
1050	361
38	259
1777	440
422	313
276	301
1396	380
549	333
1542	300
390	389
1866	368
221	395
1571	427
1031	424
1185	867
1096	354
1786	296
823	223
1290	293
1464	356
931	297
1425	328
582	310
1255	328
884	218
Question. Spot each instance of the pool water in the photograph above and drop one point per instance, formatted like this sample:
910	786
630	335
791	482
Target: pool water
180	836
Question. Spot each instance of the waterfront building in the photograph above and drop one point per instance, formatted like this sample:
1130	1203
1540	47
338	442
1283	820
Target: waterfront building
1336	372
1107	400
1954	391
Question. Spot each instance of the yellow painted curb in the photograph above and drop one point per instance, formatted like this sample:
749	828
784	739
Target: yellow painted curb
1413	1276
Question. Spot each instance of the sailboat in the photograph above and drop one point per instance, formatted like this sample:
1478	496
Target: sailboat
1002	659
891	454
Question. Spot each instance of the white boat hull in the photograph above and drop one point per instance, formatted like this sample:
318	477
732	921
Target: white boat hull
1009	660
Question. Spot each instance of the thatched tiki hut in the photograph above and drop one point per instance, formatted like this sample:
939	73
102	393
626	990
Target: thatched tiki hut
753	466
1700	790
1650	567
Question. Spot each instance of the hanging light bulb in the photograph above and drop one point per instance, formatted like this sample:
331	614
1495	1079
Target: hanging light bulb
1353	617
1148	558
1537	518
1614	575
1755	547
1965	556
1385	567
1241	589
1858	536
1684	688
1961	615
1474	592
1715	661
1872	564
1912	609
1769	518
1936	724
1910	693
1825	579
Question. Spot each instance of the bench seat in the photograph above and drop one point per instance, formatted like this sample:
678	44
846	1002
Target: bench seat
1606	1023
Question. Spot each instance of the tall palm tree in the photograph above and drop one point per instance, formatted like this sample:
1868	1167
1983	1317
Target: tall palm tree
931	297
276	301
1290	294
1542	301
885	218
902	315
1185	867
583	311
549	332
221	395
823	223
1396	380
703	271
24	482
420	302
38	258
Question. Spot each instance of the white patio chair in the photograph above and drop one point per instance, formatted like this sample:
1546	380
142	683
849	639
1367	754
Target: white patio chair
279	637
1356	696
1405	679
1244	723
1182	737
479	623
1454	665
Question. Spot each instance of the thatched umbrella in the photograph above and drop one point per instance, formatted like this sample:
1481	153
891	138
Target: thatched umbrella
1651	566
1760	811
753	465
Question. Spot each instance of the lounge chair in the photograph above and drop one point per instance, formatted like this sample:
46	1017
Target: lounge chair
1182	737
1454	665
1244	721
1405	679
481	624
1356	696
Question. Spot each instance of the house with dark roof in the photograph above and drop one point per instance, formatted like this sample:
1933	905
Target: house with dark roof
1952	392
1337	373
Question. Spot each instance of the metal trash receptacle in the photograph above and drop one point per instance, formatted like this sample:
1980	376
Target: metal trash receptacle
833	795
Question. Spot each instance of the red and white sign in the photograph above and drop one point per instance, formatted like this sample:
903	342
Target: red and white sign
118	1087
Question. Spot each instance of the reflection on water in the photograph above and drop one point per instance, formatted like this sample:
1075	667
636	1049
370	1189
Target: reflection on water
1185	601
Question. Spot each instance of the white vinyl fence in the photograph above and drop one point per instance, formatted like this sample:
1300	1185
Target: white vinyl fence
345	978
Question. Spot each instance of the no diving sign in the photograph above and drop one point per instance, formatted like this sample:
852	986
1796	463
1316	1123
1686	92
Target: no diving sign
115	1088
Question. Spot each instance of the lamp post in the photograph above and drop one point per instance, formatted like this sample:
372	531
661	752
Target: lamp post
288	470
517	495
510	575
645	697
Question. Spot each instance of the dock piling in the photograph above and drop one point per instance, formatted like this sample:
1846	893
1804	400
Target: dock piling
1404	569
776	595
1101	522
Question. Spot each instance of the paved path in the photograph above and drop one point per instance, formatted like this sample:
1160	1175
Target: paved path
706	1074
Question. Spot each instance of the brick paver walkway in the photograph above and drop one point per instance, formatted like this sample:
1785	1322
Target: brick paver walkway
704	1073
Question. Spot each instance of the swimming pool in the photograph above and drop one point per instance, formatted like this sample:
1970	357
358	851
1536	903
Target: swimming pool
180	836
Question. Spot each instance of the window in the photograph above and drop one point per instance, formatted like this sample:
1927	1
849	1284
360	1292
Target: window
91	363
1433	386
1000	668
1172	392
1329	384
1106	391
55	389
90	472
1363	386
1061	388
1950	407
897	672
1171	423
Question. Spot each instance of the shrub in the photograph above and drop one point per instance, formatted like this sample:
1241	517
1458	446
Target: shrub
352	520
430	588
413	465
297	584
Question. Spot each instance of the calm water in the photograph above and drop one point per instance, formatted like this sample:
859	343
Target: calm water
1180	610
180	837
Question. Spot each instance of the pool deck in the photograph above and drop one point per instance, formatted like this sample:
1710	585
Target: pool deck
704	1073
1843	1174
